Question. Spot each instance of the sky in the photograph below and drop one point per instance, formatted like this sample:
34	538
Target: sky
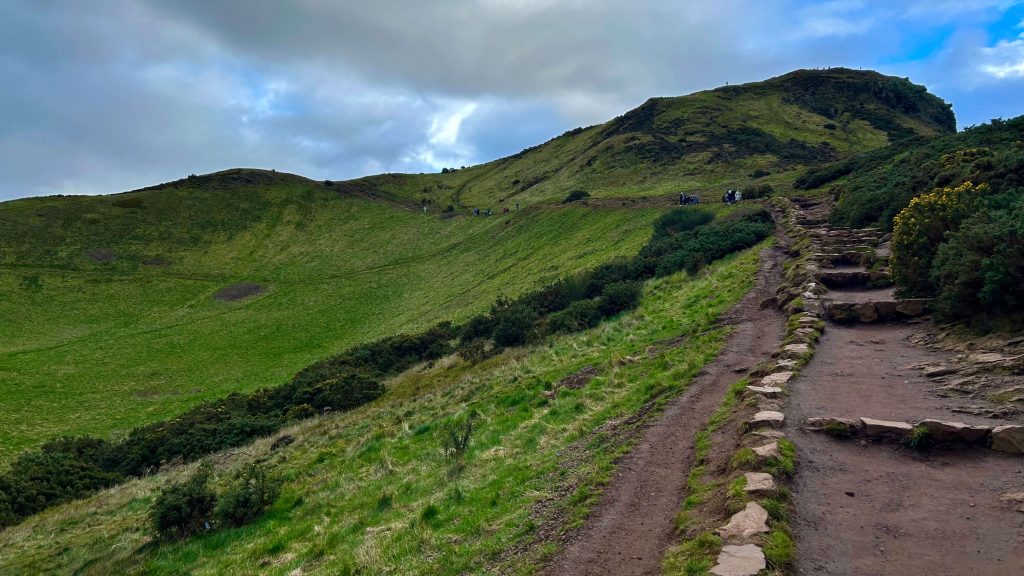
112	95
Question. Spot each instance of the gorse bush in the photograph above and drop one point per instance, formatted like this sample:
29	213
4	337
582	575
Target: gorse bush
253	491
185	508
919	230
681	220
579	315
576	195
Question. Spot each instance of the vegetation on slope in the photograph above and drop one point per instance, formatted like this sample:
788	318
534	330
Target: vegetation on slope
956	207
69	468
100	347
369	491
730	137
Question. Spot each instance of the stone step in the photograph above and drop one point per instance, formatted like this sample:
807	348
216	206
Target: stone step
874	311
746	560
853	278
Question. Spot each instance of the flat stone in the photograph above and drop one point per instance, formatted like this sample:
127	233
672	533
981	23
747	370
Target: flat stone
766	391
746	523
767	419
823	422
769	404
794	351
936	371
886	428
1008	439
769	434
769	450
786	363
952	431
746	560
986	358
759	483
776	379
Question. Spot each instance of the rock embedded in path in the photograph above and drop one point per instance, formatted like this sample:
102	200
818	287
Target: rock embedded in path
769	433
770	450
746	560
766	391
759	483
746	523
776	379
794	351
824	422
865	311
936	371
952	431
766	419
1009	439
912	306
886	428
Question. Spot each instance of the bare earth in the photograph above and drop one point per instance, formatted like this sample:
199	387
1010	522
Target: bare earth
632	527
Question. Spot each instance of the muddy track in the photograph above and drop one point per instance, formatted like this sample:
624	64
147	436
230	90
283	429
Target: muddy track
633	525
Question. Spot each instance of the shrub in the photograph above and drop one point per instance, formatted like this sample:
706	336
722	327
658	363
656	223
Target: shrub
920	228
252	492
619	297
681	220
300	412
760	191
513	325
575	195
580	315
185	508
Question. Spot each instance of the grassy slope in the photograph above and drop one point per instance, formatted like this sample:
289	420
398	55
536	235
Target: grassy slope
101	347
358	483
693	143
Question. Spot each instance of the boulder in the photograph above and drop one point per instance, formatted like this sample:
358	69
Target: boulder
746	523
766	391
945	432
769	450
912	306
1009	438
746	560
865	311
766	419
776	379
886	429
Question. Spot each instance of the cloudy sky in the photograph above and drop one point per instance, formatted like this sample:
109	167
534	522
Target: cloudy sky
111	95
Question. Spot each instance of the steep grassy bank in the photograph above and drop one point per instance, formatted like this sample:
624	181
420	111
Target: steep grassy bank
369	491
100	347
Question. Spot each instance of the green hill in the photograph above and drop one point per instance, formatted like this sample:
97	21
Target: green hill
121	310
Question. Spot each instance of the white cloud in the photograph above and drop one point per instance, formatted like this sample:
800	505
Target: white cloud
1004	60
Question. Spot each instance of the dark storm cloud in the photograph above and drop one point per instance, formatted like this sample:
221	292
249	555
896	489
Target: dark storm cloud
115	94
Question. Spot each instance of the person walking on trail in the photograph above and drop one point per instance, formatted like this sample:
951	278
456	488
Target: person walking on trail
517	206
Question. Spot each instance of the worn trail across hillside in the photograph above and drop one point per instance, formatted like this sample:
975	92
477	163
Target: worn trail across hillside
633	524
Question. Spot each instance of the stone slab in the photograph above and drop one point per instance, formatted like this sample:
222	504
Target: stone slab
766	391
776	379
767	419
759	483
769	450
746	560
1009	439
886	428
746	523
953	431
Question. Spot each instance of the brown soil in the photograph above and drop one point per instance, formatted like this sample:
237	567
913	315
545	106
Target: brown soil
865	510
633	525
238	291
102	255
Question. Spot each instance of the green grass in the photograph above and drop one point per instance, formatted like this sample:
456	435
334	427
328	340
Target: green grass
99	348
368	491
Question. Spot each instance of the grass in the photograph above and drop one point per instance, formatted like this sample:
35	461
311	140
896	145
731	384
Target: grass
368	492
99	348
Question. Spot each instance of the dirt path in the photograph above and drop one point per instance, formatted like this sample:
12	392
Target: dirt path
629	531
864	509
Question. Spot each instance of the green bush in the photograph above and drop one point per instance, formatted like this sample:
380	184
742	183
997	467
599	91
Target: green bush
618	297
681	220
514	325
252	492
185	508
575	195
580	315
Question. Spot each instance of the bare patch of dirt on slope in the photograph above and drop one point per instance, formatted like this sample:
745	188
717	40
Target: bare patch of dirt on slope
238	291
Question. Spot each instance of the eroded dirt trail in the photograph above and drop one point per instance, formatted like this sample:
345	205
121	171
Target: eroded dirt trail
868	509
629	531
